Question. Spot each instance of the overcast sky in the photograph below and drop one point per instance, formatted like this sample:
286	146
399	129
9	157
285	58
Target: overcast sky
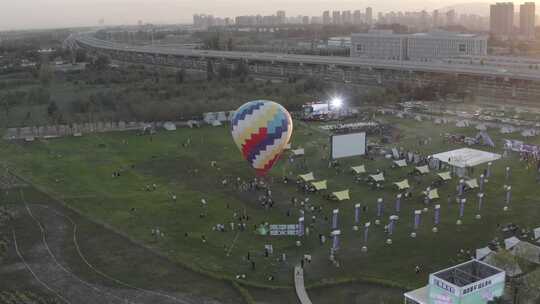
20	14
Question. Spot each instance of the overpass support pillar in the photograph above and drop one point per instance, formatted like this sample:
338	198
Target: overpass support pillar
514	90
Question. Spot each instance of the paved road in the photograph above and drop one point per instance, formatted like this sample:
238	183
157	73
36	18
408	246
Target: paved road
299	285
437	67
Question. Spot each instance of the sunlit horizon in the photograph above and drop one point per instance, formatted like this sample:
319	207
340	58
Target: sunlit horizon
73	13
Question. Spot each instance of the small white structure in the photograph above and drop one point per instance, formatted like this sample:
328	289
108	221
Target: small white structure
298	152
507	129
528	133
464	158
511	242
169	126
481	253
537	234
400	163
462	124
481	127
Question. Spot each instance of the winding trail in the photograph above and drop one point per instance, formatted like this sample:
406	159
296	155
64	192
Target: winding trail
165	298
19	254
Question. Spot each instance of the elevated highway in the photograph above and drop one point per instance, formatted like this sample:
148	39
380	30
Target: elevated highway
509	82
412	66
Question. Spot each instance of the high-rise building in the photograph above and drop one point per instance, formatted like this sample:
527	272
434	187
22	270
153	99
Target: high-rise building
326	17
357	17
346	17
501	19
436	18
281	17
369	15
527	20
336	17
451	17
305	20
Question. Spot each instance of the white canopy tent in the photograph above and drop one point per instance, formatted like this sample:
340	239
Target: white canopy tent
400	163
511	242
536	233
422	169
481	253
402	185
298	152
359	169
377	177
527	251
445	176
507	129
472	183
481	127
466	157
307	177
462	124
169	126
528	133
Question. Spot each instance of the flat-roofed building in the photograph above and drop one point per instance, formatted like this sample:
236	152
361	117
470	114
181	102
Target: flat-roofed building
384	44
379	44
470	282
440	44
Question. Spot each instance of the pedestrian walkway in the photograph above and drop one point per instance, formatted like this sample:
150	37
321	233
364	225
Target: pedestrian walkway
299	285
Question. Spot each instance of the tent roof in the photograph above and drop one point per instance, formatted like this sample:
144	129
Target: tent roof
307	177
482	253
359	169
527	251
298	152
462	123
423	169
169	126
377	177
536	233
472	183
433	194
511	242
445	175
342	195
320	185
402	185
466	157
481	127
400	163
505	261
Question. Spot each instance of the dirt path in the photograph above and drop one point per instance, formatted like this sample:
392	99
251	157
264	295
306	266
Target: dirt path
49	252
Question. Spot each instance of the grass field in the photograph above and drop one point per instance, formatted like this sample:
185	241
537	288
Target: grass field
79	172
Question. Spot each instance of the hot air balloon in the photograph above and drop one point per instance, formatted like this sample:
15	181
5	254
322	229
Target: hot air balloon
261	129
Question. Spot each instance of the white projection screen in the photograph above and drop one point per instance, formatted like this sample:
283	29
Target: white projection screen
348	145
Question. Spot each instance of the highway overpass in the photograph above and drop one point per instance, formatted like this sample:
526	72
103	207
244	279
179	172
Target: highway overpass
508	82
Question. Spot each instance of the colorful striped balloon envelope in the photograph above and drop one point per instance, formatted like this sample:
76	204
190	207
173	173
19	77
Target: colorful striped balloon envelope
261	129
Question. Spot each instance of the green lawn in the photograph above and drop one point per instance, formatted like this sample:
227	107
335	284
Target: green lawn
78	171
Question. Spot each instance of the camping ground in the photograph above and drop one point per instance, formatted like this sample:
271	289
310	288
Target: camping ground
78	172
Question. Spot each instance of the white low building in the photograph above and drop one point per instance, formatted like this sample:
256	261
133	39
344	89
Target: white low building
379	44
462	160
441	45
385	44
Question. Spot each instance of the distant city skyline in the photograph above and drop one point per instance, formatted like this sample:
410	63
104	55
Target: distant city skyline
21	14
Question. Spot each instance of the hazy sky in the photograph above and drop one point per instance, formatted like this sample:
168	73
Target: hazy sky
15	14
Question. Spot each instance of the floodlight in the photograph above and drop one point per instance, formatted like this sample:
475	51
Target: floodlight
336	102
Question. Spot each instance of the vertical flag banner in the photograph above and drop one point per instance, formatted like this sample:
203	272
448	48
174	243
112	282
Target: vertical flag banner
437	214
